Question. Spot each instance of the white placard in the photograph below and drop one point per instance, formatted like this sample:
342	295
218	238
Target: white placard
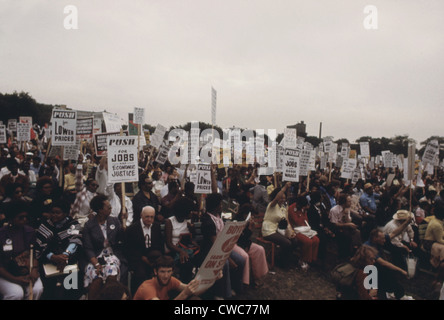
348	166
162	155
3	138
112	121
431	150
23	131
100	142
139	116
156	139
64	127
365	149
12	125
290	138
71	152
291	166
203	179
85	129
122	159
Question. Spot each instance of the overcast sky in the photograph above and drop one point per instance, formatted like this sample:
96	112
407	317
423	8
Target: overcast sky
272	63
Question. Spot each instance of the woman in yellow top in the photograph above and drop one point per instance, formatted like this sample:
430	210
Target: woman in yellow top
276	211
433	242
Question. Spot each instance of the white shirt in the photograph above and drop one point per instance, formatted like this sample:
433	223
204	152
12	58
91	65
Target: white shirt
146	231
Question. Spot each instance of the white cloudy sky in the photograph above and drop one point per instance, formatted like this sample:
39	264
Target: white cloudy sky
273	63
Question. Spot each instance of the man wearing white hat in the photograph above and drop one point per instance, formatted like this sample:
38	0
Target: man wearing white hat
403	244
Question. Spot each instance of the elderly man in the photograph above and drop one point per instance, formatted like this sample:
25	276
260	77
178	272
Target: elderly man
144	244
368	199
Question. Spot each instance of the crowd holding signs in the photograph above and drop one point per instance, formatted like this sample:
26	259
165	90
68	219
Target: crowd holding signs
194	154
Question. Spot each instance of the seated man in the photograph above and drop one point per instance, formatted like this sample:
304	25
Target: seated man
164	284
347	233
144	244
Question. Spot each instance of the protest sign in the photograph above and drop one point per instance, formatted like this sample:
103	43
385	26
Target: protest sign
291	166
25	120
280	155
365	149
12	125
3	138
64	127
157	138
139	116
133	128
122	159
113	123
23	132
306	159
290	138
71	152
431	150
97	125
203	179
100	142
410	162
85	129
162	155
348	167
218	254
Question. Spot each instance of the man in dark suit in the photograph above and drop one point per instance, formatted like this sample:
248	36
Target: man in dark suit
144	244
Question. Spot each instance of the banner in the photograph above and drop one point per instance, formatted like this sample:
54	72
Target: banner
122	159
85	129
133	128
64	127
291	166
203	179
100	142
218	255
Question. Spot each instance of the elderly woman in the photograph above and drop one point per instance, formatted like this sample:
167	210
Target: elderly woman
102	243
275	213
18	274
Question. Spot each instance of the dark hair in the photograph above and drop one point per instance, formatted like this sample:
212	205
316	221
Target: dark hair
142	178
213	201
182	207
97	202
342	199
11	162
301	201
11	187
16	207
61	203
42	181
274	193
113	290
164	262
374	234
315	197
438	209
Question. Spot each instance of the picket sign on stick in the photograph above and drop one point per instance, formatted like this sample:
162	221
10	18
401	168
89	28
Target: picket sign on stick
123	196
61	175
31	258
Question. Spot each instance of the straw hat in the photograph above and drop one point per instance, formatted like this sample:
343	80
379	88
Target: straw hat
402	215
368	185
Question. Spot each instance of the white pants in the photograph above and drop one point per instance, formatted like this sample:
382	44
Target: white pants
13	291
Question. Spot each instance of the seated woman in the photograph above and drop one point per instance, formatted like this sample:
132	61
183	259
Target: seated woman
253	252
433	242
176	229
102	243
276	211
297	216
19	276
58	243
364	256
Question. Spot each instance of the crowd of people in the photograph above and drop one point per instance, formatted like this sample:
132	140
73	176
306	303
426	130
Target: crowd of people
139	240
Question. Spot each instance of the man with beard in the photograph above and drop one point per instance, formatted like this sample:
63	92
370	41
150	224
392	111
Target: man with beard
163	284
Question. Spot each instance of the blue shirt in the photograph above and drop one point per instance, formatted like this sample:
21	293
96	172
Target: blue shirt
369	201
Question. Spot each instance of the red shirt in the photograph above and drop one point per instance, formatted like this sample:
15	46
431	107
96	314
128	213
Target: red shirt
296	218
